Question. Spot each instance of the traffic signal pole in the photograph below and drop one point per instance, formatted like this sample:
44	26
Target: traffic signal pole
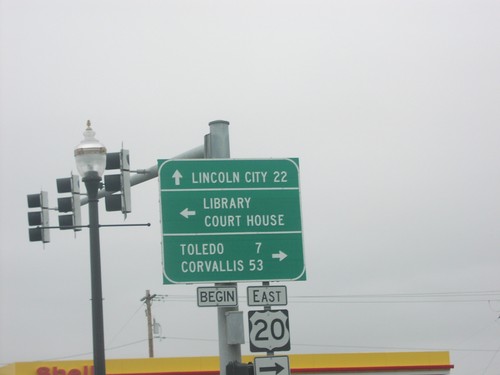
92	183
217	147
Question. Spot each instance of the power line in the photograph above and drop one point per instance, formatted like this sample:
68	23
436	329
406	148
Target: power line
371	347
126	324
357	347
128	344
89	353
395	301
430	297
403	295
382	298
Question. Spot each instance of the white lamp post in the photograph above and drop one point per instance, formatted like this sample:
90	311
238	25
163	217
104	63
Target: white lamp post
90	157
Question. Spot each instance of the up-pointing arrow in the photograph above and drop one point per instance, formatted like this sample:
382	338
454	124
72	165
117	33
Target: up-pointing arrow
280	255
177	177
186	213
277	368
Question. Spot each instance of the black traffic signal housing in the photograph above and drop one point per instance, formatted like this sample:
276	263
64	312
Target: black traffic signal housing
39	219
118	182
238	368
71	203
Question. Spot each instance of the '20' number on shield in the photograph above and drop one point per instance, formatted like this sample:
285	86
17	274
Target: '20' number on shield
276	328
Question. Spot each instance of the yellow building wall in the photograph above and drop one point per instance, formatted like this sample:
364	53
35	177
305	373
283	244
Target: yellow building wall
211	364
8	370
369	360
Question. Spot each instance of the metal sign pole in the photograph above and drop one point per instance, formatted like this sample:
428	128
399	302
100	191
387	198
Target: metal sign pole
217	147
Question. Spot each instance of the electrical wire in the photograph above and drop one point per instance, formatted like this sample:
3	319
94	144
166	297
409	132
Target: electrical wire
89	353
439	294
126	345
371	347
382	298
127	323
431	297
357	347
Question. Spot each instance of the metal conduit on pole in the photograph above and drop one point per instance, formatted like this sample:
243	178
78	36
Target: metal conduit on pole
217	147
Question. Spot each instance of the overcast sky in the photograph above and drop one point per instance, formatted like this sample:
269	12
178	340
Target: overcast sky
392	107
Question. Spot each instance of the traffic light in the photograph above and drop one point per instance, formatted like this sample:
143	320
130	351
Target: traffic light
40	218
238	368
71	203
118	182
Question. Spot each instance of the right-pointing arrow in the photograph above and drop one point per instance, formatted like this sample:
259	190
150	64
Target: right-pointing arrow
280	255
277	368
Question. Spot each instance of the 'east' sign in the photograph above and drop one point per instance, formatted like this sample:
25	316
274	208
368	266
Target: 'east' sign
267	295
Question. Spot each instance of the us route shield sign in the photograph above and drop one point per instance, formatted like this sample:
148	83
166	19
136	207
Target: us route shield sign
269	330
231	220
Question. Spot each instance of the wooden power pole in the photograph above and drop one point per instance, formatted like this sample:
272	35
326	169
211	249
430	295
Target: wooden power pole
147	300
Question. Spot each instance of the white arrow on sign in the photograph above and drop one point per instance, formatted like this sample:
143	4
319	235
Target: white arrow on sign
281	255
273	365
177	177
276	368
186	213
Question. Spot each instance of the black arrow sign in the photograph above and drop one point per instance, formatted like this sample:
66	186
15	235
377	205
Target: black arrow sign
277	368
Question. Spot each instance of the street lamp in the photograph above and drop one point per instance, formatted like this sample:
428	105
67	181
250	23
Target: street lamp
90	157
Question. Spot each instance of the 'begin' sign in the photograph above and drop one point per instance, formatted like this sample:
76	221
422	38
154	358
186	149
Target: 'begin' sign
217	296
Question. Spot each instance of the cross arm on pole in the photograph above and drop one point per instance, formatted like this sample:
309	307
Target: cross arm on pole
152	172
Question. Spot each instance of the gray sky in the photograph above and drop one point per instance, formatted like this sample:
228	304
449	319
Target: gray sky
391	106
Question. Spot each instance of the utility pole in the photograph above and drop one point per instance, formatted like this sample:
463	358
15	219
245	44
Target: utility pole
147	299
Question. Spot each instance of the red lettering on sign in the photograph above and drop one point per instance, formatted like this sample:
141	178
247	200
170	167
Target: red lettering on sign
87	370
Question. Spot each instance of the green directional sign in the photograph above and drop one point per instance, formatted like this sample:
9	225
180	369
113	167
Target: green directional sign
231	220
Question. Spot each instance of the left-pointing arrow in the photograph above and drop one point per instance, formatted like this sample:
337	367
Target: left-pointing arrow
277	368
186	213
